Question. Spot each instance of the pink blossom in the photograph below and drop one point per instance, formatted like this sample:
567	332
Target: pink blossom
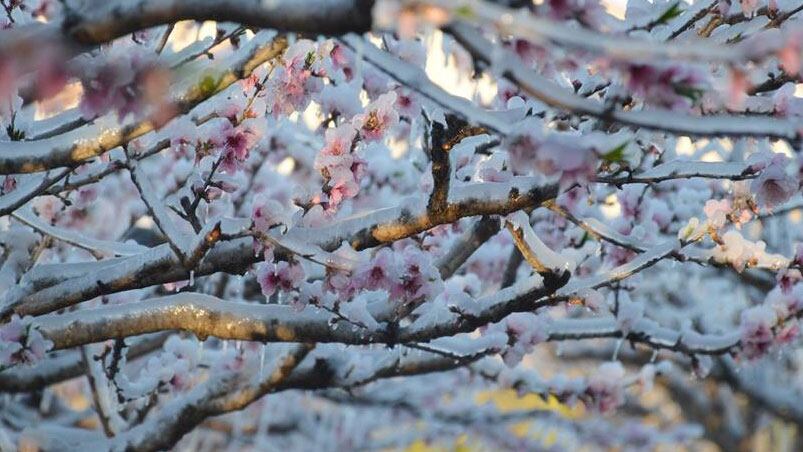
420	278
524	330
788	333
341	186
521	148
669	86
717	212
749	7
774	186
9	184
407	103
51	74
104	90
379	117
236	142
785	103
605	387
127	84
282	276
789	55
568	157
8	76
756	332
528	52
20	342
382	272
290	86
798	259
336	151
738	84
787	279
273	210
343	59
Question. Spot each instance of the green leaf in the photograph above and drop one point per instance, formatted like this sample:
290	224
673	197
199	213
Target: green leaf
309	59
465	12
616	154
688	91
673	11
208	85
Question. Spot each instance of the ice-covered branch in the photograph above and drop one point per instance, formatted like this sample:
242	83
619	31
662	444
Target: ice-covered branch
99	22
76	239
678	169
106	133
67	365
33	187
542	30
535	252
159	265
220	394
551	94
178	240
479	232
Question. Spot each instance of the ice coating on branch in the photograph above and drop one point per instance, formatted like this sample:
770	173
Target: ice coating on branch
356	310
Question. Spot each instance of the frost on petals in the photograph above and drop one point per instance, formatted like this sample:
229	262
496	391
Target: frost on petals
568	157
21	343
275	209
282	276
524	331
380	116
605	387
774	185
755	330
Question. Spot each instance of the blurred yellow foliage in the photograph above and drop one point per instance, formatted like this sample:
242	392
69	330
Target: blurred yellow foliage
507	400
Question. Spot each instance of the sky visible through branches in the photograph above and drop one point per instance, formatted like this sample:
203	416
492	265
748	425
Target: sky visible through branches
401	225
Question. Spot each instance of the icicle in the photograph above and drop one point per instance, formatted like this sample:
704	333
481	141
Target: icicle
616	350
192	278
262	361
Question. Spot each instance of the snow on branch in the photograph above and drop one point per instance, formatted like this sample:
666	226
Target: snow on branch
84	143
551	94
544	31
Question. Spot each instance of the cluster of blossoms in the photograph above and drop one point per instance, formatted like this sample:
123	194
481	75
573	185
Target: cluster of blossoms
126	81
668	86
282	275
338	162
20	342
407	276
323	145
567	157
603	391
524	331
170	369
